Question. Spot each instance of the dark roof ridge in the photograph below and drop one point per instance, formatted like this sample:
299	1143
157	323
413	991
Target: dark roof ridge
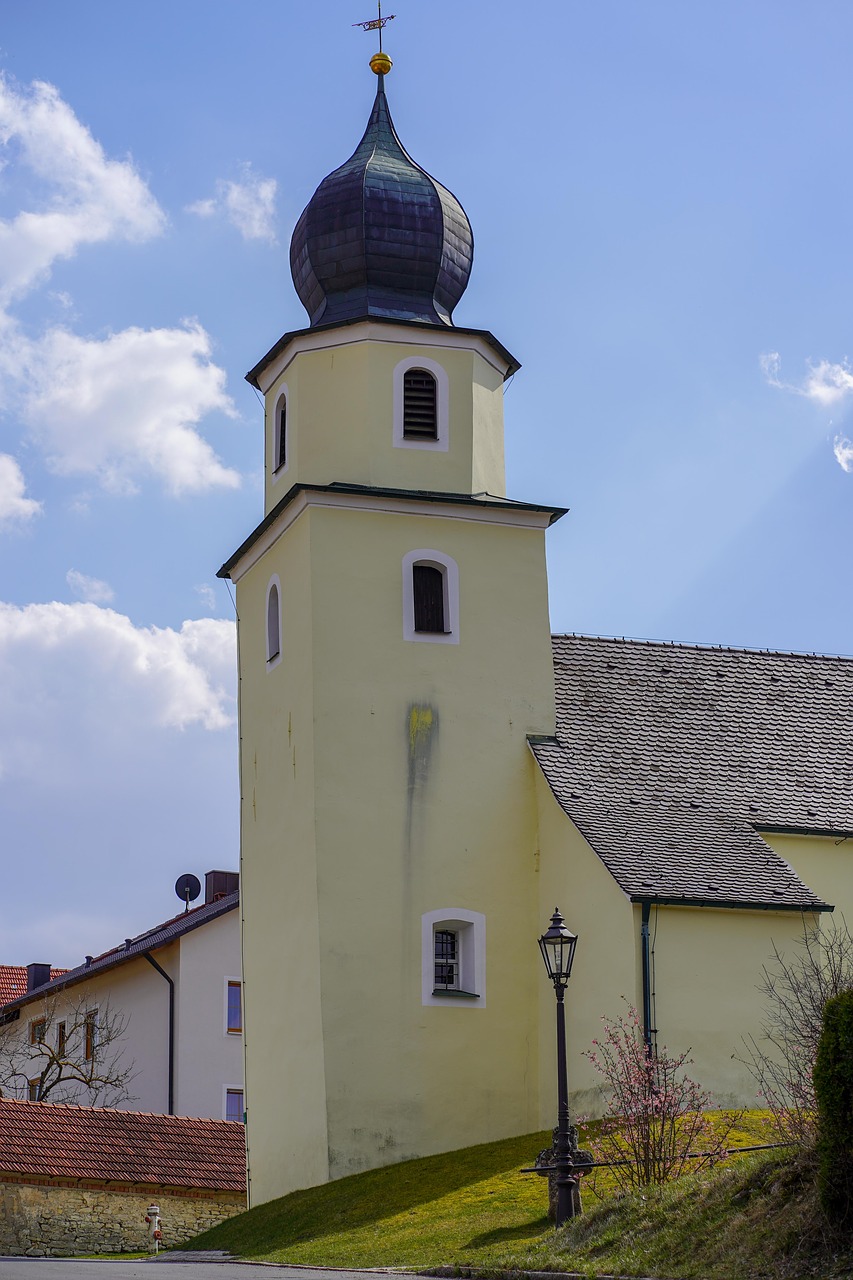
161	936
701	647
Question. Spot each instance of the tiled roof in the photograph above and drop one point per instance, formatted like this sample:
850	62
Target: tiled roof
13	980
58	1141
160	936
671	758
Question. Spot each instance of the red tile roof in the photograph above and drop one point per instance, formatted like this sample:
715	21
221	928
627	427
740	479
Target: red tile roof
99	1144
13	981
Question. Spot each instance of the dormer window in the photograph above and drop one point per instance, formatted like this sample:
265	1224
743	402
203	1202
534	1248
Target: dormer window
280	434
420	405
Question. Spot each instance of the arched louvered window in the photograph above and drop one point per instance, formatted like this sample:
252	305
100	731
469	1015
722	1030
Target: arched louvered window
428	598
280	459
273	623
420	405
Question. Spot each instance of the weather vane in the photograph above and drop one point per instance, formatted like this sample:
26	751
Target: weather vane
376	24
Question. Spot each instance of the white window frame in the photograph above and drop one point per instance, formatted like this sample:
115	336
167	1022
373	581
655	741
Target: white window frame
231	1035
232	1088
450	577
276	658
441	444
471	928
283	393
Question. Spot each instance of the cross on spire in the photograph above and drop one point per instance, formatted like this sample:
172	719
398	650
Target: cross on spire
376	24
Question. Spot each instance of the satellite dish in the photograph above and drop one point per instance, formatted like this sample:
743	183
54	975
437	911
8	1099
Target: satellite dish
187	887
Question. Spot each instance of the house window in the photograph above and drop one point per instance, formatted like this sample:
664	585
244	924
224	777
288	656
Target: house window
90	1034
233	1007
33	1090
420	405
453	958
234	1104
280	435
61	1039
273	622
430	597
446	948
38	1030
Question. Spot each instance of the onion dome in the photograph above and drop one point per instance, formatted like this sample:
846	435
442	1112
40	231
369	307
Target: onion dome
380	237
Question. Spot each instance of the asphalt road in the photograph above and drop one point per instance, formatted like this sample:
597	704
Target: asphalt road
74	1269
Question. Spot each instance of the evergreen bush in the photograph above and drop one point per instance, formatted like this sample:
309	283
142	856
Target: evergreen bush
833	1083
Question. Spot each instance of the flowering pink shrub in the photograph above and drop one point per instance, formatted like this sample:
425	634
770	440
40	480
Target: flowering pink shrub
655	1118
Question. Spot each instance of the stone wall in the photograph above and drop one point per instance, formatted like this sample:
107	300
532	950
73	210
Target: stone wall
51	1218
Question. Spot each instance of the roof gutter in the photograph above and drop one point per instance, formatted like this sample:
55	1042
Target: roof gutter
730	904
163	974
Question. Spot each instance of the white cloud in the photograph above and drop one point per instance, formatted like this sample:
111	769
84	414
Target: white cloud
77	679
207	595
118	771
95	590
126	405
87	198
248	205
842	447
15	507
825	383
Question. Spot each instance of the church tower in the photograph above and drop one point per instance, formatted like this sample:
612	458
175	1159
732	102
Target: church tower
394	657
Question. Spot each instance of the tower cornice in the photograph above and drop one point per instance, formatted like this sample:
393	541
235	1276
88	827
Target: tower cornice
482	507
378	329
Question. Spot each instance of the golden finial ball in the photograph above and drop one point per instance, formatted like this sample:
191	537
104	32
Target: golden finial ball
381	64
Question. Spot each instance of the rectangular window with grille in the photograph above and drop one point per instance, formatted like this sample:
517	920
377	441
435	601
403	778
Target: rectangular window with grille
420	405
446	960
234	1104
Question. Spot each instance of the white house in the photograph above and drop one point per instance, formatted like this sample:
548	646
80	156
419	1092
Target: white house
173	993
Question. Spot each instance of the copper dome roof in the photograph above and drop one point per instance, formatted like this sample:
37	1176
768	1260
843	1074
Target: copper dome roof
380	237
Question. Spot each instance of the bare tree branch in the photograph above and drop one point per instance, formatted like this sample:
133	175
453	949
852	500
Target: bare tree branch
67	1050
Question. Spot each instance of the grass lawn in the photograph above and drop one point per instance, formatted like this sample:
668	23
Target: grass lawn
472	1208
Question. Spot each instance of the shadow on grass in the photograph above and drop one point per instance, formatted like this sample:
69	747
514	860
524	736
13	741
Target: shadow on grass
366	1198
524	1231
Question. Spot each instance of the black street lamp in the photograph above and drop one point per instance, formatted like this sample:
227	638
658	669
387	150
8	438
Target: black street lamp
558	951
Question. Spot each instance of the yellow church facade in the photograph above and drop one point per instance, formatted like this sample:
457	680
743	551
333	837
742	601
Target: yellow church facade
426	772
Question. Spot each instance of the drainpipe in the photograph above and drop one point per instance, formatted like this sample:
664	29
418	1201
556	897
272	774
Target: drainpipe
165	975
647	984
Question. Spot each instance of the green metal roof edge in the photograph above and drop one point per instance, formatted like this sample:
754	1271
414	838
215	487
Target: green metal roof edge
286	338
729	904
428	495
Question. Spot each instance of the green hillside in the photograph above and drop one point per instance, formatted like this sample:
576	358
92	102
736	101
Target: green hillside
752	1217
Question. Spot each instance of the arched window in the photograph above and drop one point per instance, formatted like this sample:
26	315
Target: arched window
273	622
430	597
420	405
280	434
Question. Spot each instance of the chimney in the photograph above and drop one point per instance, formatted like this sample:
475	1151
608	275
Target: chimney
218	884
37	976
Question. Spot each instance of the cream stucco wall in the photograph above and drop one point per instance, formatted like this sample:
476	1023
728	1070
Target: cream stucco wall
208	1058
825	863
383	779
340	415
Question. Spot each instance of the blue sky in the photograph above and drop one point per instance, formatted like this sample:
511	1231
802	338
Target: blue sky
661	201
